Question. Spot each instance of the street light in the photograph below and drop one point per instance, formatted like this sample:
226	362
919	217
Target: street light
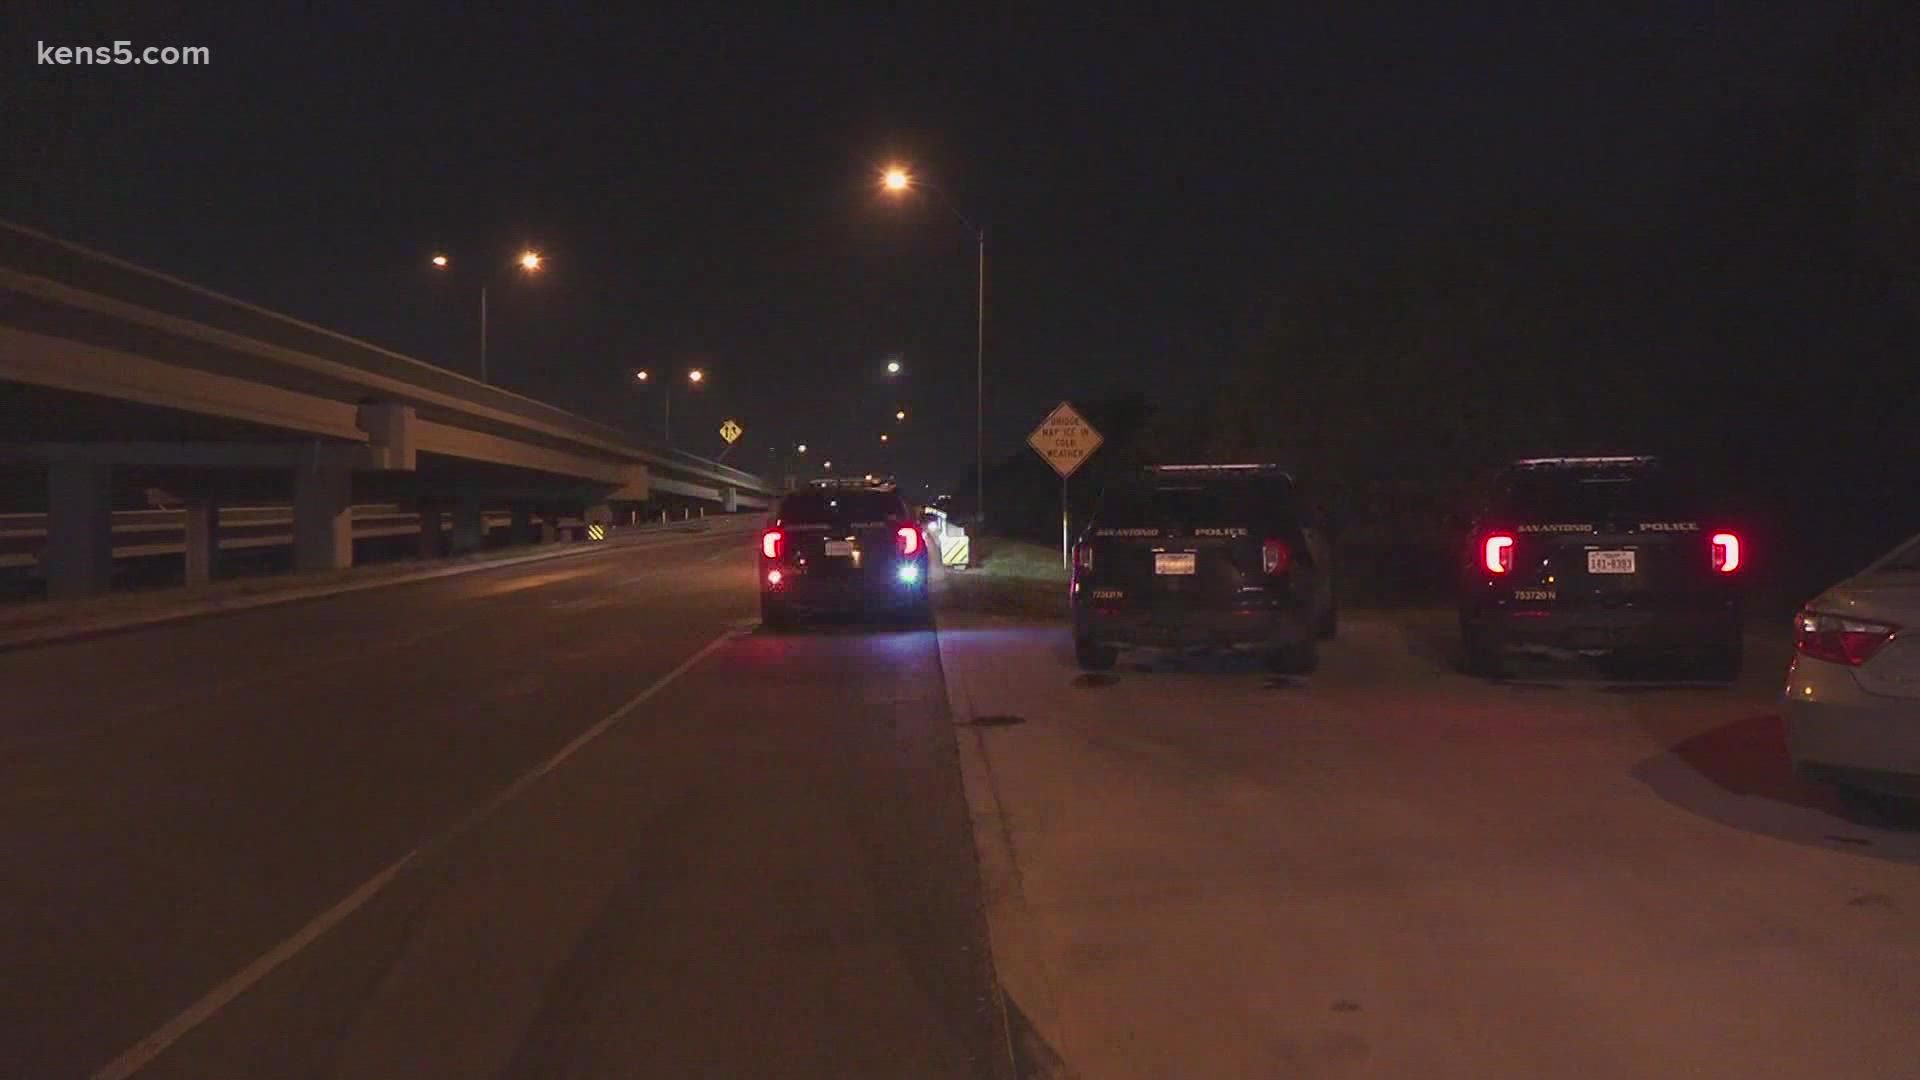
893	367
695	378
900	414
801	448
883	436
897	180
529	262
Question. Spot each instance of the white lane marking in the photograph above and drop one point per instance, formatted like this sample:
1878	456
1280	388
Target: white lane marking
141	1054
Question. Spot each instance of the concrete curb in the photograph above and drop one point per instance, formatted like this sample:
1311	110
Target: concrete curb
35	636
1000	884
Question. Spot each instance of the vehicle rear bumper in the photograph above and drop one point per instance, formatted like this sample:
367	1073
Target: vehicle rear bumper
848	595
1838	732
1196	629
1668	629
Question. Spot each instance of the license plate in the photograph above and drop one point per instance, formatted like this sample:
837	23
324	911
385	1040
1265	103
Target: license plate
840	548
1173	562
1610	562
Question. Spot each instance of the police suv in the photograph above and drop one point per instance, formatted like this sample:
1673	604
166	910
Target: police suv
1615	556
1187	556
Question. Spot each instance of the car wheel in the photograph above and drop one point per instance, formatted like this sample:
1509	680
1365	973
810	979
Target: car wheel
919	616
1094	656
1329	624
1879	807
775	615
1723	662
1300	658
1478	656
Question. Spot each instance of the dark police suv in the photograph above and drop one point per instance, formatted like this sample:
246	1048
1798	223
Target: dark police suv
1617	556
1188	556
849	548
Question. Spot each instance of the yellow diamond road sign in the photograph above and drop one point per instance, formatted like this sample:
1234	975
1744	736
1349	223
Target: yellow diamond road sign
731	432
1064	439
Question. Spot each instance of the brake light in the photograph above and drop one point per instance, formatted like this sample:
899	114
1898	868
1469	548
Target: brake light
1496	554
1083	558
772	543
1726	552
1274	557
909	537
1839	640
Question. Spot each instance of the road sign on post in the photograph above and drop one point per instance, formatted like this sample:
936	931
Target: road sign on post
1066	440
731	432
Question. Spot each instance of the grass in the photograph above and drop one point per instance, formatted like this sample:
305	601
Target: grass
1009	577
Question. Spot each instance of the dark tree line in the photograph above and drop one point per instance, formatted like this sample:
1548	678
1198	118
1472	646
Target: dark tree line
1767	328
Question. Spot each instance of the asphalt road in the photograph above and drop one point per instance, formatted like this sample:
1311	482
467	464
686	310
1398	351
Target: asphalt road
574	818
1389	869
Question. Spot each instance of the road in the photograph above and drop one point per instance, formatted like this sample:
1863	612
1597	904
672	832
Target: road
574	818
1392	870
581	818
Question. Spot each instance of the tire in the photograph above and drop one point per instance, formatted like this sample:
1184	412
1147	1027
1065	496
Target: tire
775	616
1329	626
1723	662
918	617
1879	807
1478	657
1300	658
1094	656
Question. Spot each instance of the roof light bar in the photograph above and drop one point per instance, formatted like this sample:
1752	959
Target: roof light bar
1642	459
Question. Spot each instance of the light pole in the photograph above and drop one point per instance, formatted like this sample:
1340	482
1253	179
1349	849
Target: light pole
527	262
696	377
897	180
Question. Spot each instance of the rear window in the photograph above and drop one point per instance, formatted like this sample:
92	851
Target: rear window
839	506
1221	502
1594	494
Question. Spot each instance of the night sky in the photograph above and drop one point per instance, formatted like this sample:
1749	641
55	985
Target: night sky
703	186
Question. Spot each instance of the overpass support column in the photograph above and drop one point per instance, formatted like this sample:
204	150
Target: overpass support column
521	531
549	526
203	538
433	537
322	517
79	558
469	527
730	500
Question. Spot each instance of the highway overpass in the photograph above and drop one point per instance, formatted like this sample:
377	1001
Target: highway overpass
116	380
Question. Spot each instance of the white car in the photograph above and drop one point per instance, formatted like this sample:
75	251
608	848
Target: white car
1852	701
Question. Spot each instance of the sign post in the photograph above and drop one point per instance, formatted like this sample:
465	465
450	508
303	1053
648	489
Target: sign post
1066	441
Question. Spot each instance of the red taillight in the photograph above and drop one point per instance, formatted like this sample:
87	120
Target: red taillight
1840	640
1274	557
909	537
772	543
1083	558
1496	554
1726	552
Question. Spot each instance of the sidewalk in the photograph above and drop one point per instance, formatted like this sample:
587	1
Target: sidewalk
43	622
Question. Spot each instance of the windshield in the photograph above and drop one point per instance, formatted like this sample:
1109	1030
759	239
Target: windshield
842	506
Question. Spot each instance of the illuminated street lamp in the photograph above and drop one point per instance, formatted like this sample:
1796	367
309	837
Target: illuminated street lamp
802	448
528	262
893	367
900	414
897	181
695	379
883	436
